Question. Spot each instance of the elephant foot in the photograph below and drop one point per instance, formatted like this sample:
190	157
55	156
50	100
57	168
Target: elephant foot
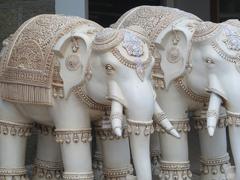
98	167
47	170
131	177
119	174
230	173
215	168
13	173
175	170
155	159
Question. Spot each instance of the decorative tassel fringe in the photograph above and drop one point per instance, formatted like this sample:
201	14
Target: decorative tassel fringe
26	94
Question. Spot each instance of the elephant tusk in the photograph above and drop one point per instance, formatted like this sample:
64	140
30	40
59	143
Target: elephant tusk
161	118
116	117
213	113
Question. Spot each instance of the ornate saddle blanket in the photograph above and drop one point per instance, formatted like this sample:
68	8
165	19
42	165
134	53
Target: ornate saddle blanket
27	65
153	19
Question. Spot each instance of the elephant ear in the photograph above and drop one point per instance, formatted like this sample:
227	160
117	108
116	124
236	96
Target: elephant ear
73	50
64	41
174	46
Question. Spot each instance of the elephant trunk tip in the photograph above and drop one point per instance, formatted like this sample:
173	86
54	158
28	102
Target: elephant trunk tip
211	130
174	133
118	131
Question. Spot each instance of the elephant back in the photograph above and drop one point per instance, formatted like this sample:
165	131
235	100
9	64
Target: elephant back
153	19
28	67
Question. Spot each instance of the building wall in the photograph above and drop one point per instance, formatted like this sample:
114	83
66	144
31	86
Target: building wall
14	12
199	8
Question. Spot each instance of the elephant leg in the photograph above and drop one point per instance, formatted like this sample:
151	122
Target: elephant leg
73	133
214	157
174	164
155	155
48	163
116	154
234	134
14	130
98	159
13	139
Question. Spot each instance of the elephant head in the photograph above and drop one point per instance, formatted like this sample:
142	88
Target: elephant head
114	67
207	56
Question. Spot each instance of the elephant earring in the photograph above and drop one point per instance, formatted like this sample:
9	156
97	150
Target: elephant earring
173	53
72	62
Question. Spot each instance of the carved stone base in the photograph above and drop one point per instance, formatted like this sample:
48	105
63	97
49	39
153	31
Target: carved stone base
47	170
214	169
175	171
117	174
14	173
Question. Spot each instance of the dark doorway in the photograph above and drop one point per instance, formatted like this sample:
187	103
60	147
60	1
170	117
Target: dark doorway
222	10
106	12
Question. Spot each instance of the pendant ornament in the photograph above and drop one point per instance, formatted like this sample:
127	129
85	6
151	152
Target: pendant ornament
73	62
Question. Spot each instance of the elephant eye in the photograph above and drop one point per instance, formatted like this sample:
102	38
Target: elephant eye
209	61
109	68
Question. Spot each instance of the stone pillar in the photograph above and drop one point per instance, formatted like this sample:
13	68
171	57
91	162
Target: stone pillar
72	7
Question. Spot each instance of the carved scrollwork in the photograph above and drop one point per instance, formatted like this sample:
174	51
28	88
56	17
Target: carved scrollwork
15	129
175	170
73	135
81	94
138	127
233	119
45	130
200	123
47	169
108	134
181	125
14	173
205	30
228	57
117	174
214	166
189	93
78	176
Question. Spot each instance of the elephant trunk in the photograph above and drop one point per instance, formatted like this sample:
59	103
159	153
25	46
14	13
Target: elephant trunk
224	89
213	112
141	154
139	114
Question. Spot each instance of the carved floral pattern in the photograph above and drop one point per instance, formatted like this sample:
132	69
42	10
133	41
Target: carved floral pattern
27	63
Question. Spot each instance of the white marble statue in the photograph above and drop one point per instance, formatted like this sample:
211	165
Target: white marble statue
196	70
55	70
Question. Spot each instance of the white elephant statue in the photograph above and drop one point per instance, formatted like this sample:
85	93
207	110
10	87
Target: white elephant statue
54	71
196	70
